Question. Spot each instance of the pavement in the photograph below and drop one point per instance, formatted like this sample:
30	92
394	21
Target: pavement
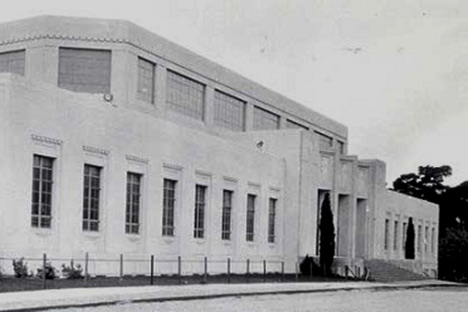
45	300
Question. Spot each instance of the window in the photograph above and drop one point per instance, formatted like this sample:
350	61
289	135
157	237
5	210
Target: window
387	224
265	120
168	207
200	202
433	240
419	238
146	80
426	239
294	125
185	96
271	220
84	70
132	215
91	197
403	242
41	211
341	149
250	224
12	62
395	235
325	142
226	218
229	112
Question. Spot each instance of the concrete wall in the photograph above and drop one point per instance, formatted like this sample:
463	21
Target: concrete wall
77	129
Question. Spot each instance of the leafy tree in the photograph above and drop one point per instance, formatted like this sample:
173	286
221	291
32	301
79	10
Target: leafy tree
427	184
409	244
453	254
327	236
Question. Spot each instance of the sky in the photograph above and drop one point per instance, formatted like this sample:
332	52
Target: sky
394	72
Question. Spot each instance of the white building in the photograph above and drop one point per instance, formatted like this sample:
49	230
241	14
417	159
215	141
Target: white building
116	141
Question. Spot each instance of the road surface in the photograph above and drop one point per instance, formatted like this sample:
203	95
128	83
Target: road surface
441	299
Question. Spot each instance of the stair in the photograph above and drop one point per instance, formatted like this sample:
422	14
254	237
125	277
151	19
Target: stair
382	271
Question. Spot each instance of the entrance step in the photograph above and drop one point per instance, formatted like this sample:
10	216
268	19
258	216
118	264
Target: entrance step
382	271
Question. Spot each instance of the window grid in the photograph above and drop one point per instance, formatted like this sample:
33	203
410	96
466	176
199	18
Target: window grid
146	70
168	207
265	120
84	70
226	215
426	239
250	224
387	224
132	215
325	142
13	62
272	220
91	197
229	112
419	238
405	227
433	240
41	210
395	235
199	220
185	96
294	125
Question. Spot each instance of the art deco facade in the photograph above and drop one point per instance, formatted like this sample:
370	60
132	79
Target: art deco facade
114	140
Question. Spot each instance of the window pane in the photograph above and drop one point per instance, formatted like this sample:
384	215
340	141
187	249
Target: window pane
12	62
84	70
199	220
226	215
91	197
133	203
41	200
250	224
146	80
168	207
272	220
265	120
294	125
185	96
229	112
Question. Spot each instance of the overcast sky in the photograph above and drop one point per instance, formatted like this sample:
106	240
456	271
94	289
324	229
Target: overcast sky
395	72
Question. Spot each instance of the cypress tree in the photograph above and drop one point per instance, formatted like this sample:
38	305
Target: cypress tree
409	244
327	236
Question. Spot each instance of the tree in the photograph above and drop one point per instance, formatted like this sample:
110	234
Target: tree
327	236
409	244
427	184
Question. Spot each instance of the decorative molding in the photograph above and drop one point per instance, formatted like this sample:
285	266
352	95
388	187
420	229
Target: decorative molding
137	159
254	185
275	189
44	139
230	179
172	167
203	174
95	150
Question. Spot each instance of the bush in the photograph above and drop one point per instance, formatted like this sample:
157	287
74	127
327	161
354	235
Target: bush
72	271
307	264
50	271
20	268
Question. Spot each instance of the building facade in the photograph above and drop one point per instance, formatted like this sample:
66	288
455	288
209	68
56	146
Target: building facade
116	141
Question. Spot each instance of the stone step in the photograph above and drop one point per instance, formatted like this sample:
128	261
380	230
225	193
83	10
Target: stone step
386	272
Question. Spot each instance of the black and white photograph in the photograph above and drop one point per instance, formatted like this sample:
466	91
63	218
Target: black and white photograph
234	155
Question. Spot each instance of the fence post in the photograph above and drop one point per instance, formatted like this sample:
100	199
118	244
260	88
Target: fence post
205	275
295	271
264	270
282	271
248	270
229	269
86	267
121	267
179	269
44	263
152	270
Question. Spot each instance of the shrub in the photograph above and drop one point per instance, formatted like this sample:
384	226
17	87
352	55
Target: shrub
409	244
307	264
20	268
72	271
50	271
327	236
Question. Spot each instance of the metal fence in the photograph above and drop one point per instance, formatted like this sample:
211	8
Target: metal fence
127	270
